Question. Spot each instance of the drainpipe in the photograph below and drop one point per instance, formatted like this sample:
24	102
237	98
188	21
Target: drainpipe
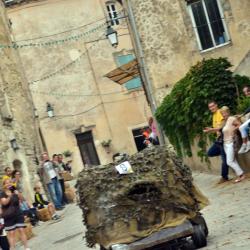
142	65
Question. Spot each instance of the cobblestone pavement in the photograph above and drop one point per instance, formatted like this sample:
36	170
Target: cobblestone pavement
227	218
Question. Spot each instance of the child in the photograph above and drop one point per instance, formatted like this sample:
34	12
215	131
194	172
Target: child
41	203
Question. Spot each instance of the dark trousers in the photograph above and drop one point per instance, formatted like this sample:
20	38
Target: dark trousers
4	244
217	150
64	198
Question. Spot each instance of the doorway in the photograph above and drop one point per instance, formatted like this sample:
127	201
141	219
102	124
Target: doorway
87	148
139	138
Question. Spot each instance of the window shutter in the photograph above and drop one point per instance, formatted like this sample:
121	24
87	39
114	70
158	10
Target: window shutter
134	83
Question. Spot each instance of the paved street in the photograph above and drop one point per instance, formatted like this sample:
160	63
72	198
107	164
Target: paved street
227	217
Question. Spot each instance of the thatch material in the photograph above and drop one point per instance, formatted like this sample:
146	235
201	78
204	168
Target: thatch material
124	208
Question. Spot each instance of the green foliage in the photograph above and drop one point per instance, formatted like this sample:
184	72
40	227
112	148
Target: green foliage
106	143
243	104
184	112
67	153
241	81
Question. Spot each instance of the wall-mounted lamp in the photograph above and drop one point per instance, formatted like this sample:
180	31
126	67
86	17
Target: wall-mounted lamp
13	144
111	34
50	110
36	113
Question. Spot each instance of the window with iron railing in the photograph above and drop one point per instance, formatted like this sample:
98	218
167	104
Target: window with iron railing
209	23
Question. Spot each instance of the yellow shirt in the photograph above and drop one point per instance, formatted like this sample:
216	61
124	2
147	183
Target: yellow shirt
217	119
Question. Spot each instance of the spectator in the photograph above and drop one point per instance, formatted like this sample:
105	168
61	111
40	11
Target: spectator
217	148
153	137
153	133
8	174
16	180
8	184
228	130
68	166
244	128
50	177
61	163
13	217
4	243
40	203
60	170
28	210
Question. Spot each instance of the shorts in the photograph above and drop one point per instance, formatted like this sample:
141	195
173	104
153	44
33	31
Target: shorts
17	221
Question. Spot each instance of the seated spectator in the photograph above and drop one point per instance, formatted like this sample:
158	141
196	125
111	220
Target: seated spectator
28	210
40	203
8	174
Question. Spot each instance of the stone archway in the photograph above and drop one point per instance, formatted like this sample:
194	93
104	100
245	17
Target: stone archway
17	164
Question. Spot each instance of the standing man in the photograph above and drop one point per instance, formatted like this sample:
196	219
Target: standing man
59	166
217	148
51	179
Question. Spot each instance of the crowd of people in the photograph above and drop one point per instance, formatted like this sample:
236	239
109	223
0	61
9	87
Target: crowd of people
15	208
226	127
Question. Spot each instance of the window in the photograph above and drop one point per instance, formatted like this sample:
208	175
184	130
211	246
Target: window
112	12
134	83
209	23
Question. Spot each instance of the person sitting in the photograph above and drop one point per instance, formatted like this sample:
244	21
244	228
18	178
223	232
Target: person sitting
28	210
40	203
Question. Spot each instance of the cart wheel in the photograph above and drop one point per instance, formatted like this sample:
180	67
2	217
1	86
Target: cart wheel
203	223
199	237
199	220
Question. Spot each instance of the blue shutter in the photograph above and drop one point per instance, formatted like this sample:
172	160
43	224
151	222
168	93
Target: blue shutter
134	83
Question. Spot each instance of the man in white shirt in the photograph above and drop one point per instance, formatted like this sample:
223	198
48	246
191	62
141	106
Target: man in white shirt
50	177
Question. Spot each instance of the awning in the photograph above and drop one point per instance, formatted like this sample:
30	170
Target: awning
124	73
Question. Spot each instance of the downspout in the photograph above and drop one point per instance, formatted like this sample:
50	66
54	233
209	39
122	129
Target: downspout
142	65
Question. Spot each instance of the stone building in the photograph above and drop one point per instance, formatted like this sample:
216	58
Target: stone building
19	142
65	56
172	35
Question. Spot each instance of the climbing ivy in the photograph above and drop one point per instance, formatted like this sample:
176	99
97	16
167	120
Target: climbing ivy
184	112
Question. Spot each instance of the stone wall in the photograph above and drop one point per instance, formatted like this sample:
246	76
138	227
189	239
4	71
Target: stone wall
17	120
170	47
80	93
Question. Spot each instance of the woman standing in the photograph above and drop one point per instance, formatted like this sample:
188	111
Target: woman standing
16	180
228	132
13	217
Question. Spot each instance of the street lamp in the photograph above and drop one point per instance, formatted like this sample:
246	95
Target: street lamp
111	34
50	110
13	144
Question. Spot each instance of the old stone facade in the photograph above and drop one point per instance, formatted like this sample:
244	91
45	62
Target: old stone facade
89	109
17	120
171	43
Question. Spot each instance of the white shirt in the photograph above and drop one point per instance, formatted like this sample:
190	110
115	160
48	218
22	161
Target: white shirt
49	169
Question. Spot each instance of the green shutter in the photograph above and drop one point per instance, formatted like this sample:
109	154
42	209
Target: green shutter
134	83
